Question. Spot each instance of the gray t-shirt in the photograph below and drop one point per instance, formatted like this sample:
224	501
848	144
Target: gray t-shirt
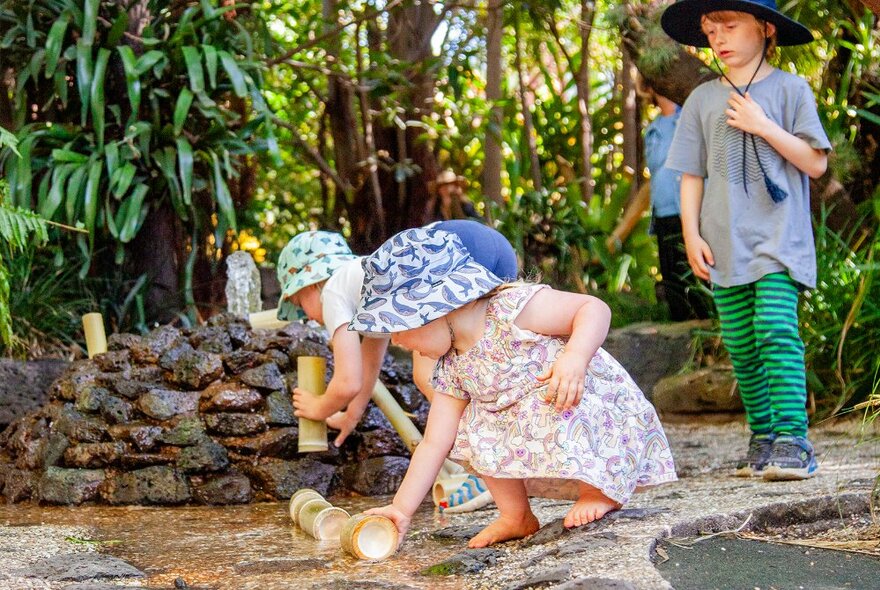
750	235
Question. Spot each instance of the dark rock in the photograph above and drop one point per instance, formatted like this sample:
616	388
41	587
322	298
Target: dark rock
280	358
122	341
230	424
211	339
77	427
711	389
408	396
116	411
24	386
241	360
151	485
69	385
196	369
279	409
263	340
114	361
154	344
56	445
267	376
19	485
231	488
185	431
555	530
166	456
79	567
592	542
207	455
650	352
133	389
239	334
374	418
595	584
172	356
380	442
281	478
457	533
162	404
153	373
90	399
470	561
278	442
232	396
92	455
69	486
544	578
376	476
143	436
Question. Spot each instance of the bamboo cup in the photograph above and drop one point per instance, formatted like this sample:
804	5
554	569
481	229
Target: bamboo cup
96	339
298	499
310	372
266	320
321	520
368	536
445	486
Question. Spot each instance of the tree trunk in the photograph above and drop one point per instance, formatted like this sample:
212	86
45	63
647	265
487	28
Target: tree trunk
162	265
583	94
492	146
632	163
526	101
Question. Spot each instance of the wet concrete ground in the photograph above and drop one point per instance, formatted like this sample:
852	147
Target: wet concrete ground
250	547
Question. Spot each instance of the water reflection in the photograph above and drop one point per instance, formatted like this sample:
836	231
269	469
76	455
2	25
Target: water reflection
245	547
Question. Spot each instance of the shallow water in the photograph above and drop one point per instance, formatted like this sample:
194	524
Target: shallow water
244	547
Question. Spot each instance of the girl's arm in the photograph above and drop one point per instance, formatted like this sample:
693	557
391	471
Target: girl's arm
746	114
585	320
425	464
698	252
345	384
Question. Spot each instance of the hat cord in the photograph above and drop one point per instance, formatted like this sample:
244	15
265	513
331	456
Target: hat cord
777	194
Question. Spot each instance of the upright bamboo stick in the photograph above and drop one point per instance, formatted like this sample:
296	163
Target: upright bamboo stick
96	339
310	372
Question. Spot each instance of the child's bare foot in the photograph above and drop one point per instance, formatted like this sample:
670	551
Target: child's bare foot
591	505
505	529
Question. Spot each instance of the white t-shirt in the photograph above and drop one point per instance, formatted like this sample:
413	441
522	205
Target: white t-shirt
341	294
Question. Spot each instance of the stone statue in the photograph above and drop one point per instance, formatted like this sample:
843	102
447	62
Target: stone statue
242	285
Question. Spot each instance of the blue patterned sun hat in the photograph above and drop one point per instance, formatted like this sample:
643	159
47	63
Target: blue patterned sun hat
415	277
308	258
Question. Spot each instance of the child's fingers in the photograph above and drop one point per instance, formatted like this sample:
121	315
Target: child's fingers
546	375
707	256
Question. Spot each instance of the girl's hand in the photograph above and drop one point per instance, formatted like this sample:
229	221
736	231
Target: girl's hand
746	115
565	380
345	422
308	405
400	520
699	256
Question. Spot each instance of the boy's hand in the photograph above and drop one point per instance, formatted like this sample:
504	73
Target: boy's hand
308	405
746	115
565	380
699	256
345	423
400	520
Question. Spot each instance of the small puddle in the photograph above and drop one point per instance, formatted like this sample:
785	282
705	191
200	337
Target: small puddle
245	547
733	563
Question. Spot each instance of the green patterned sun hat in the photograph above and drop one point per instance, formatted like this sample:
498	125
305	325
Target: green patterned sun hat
308	258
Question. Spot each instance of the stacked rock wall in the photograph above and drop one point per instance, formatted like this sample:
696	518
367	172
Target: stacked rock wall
194	416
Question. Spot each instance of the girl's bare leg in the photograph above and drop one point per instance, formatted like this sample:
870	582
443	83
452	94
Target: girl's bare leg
516	519
591	505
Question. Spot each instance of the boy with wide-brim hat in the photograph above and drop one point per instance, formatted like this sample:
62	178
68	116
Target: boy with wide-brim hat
747	145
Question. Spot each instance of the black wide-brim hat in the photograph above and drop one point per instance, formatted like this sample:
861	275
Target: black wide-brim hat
682	20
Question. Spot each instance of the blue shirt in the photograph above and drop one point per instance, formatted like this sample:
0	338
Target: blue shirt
665	183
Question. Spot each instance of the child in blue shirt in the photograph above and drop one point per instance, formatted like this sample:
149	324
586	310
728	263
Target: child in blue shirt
747	145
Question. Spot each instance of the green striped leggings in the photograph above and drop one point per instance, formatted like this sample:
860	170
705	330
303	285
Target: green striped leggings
759	326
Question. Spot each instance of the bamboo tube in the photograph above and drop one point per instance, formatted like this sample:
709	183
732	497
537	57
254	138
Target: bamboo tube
96	339
321	520
266	320
298	499
368	536
310	372
445	486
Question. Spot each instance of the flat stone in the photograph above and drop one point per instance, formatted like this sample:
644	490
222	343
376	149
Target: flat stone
241	360
122	341
231	488
279	409
267	376
710	389
142	436
281	479
279	357
116	411
81	566
163	404
90	399
77	427
594	584
375	477
263	340
69	486
207	455
379	442
239	334
133	389
543	579
154	344
19	485
230	396
555	530
211	339
92	455
197	369
151	485
113	361
184	431
458	533
277	442
165	456
470	561
235	424
24	386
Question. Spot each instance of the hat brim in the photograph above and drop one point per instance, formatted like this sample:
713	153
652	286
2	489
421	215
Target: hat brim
682	21
306	278
408	309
